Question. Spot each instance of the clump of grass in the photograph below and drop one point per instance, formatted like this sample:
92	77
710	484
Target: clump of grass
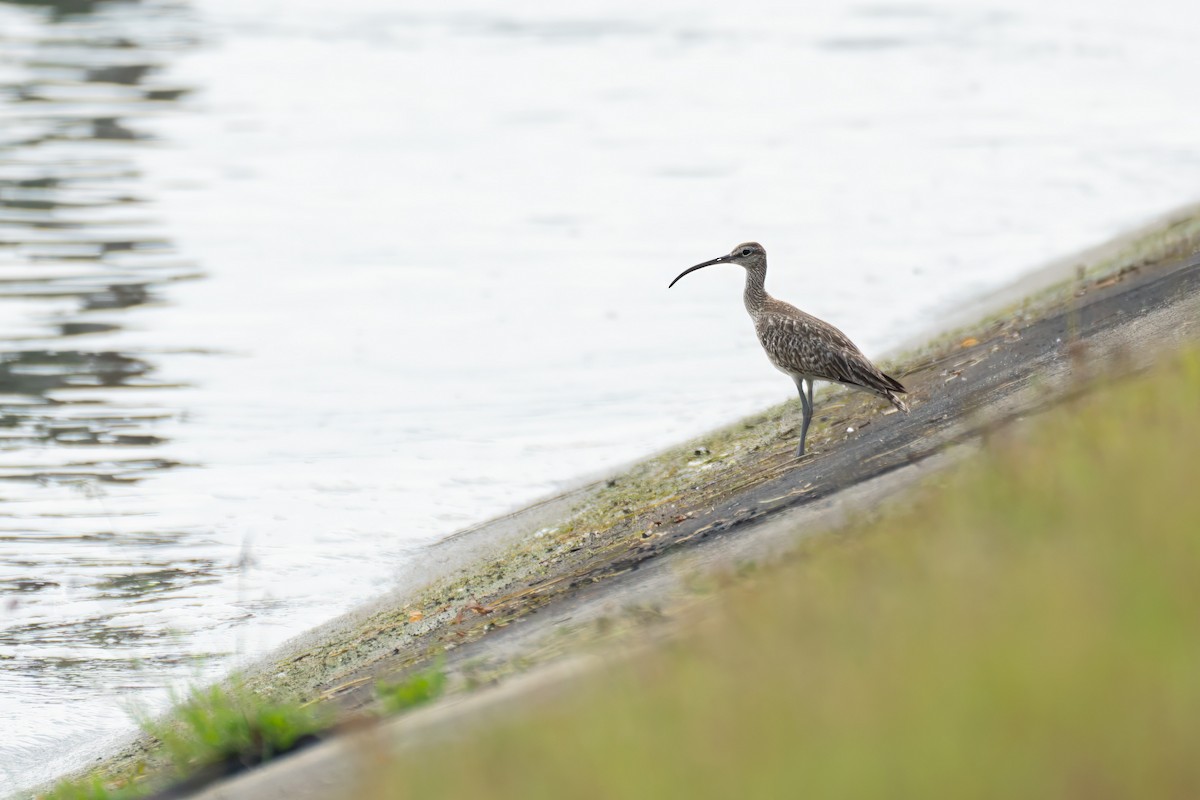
1028	628
218	725
211	726
414	690
91	789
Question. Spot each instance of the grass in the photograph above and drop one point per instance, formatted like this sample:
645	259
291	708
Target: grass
217	725
1028	627
414	690
220	725
92	789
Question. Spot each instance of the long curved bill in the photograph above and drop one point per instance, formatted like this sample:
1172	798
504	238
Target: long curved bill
720	260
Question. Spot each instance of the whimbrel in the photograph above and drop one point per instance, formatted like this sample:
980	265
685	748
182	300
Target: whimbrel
800	345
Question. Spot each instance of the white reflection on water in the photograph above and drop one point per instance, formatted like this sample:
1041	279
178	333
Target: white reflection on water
436	246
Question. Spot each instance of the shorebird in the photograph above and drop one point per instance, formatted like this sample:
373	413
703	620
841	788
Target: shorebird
800	345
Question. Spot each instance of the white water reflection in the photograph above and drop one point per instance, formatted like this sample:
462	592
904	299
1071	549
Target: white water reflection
435	248
92	579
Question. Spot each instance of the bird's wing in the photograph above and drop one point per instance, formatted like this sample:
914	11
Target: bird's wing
804	345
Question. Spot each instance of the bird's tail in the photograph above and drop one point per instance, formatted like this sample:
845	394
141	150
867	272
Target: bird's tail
897	402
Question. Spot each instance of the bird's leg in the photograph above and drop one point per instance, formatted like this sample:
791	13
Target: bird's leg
806	403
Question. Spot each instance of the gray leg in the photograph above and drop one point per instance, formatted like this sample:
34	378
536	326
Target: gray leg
806	403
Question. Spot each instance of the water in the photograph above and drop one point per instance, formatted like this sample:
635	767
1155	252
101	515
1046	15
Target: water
290	289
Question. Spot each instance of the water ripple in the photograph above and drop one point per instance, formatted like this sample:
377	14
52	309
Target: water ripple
81	585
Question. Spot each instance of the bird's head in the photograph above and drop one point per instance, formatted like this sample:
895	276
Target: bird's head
750	255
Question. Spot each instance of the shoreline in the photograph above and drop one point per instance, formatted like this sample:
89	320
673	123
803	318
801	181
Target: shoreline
1167	237
608	554
1160	237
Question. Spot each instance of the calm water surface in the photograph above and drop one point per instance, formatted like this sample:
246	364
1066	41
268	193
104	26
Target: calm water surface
290	289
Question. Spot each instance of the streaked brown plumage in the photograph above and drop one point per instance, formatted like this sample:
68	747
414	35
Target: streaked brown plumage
800	345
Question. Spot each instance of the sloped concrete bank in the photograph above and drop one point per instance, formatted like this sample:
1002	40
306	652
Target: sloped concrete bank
623	553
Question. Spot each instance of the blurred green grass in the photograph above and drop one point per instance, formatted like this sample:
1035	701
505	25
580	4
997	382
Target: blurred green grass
89	789
1028	626
415	690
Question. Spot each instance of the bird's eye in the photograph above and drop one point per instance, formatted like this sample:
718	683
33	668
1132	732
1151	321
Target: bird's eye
746	251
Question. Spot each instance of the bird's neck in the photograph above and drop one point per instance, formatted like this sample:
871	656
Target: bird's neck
756	290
